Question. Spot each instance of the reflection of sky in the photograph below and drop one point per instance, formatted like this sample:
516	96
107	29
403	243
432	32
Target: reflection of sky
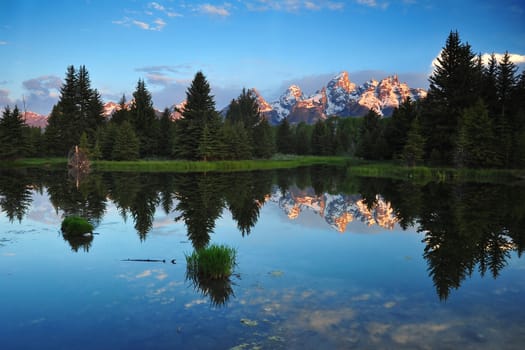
304	284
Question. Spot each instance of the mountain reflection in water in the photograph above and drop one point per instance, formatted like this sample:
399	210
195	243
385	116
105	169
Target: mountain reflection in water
465	226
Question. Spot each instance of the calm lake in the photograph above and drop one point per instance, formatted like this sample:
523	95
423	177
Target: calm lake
325	261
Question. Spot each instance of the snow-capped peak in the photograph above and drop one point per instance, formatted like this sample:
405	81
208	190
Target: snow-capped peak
343	82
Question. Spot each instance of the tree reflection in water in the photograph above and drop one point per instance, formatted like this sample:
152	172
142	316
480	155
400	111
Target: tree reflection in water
465	226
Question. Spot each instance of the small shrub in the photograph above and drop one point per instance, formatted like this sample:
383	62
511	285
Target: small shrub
213	262
76	226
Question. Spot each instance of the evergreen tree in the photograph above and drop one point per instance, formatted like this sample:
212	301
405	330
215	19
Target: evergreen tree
78	110
476	140
235	141
263	140
489	92
400	123
284	138
452	89
35	141
347	135
413	149
208	145
245	109
166	134
122	113
127	144
199	111
372	144
145	122
106	139
505	82
13	136
84	143
95	116
321	139
303	138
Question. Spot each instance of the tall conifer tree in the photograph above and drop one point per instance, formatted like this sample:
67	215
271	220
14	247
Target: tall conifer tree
144	119
198	113
452	89
13	135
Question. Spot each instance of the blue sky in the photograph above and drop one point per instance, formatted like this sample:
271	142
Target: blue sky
267	44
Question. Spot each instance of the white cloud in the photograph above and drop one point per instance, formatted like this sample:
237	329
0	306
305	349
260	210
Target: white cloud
4	97
214	10
159	79
40	95
373	3
335	5
156	6
3	42
160	24
311	5
142	25
517	59
293	5
370	3
514	58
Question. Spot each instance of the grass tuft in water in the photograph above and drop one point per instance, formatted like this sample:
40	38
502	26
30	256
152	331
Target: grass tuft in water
76	226
212	262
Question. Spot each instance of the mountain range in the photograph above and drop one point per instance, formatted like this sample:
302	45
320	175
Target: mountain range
340	97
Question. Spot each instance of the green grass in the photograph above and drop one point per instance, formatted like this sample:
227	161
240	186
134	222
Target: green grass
76	226
280	162
423	174
212	262
34	162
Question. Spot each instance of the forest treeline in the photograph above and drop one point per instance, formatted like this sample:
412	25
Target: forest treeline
473	116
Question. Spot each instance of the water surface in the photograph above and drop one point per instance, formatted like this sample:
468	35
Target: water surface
324	261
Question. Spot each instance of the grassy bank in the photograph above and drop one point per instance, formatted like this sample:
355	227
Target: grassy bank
34	163
420	174
423	174
224	165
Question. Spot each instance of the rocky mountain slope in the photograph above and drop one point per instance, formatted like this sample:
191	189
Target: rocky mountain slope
340	97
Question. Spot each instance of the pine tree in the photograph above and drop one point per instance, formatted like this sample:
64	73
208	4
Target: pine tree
452	89
505	82
78	110
95	113
127	144
13	136
489	92
144	120
121	114
372	144
413	149
476	142
245	109
396	133
208	145
284	138
198	112
303	138
106	138
321	139
84	143
505	124
235	141
166	134
263	140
